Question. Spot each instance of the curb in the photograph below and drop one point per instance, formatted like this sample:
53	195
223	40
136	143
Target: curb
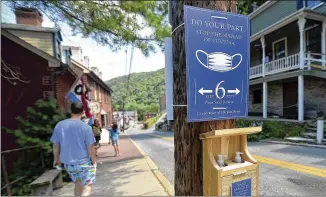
168	187
295	144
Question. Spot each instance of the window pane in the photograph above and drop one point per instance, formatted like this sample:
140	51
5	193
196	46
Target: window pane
279	49
312	3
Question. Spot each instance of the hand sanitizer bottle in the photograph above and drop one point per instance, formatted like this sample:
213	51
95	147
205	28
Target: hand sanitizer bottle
238	157
220	161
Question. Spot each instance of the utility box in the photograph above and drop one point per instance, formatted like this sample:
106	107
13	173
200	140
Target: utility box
232	177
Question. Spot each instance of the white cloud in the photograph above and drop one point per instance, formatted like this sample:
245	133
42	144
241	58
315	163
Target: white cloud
111	64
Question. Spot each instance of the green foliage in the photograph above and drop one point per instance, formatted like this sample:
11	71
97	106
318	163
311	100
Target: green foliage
272	129
244	6
35	129
113	23
144	91
151	121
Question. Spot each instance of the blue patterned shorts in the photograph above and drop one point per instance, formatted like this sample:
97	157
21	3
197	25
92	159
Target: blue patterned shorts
84	171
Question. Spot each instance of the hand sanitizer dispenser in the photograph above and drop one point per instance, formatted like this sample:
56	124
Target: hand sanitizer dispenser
237	158
220	160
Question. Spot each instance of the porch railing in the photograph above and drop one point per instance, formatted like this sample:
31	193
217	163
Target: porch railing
256	71
277	66
315	60
282	64
4	171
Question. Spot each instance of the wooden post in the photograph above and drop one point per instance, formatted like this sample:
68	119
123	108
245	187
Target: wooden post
5	174
188	146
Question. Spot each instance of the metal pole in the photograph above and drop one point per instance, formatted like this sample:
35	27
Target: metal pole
123	116
5	173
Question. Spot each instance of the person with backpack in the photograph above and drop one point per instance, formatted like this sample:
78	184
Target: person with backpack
114	133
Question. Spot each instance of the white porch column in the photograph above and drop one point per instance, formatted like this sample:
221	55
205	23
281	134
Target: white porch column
264	99
323	43
300	98
301	23
262	40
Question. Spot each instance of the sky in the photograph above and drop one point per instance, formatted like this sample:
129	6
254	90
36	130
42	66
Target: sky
111	64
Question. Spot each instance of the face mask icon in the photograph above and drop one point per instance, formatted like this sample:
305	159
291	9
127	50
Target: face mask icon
219	61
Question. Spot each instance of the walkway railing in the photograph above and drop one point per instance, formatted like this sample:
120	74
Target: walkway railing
4	166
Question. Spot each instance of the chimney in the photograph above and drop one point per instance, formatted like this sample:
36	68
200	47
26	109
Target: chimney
28	16
86	61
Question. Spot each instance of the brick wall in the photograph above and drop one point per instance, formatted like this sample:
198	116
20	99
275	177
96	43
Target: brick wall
315	94
103	97
63	85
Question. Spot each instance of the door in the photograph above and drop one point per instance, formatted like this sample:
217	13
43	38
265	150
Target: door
104	122
290	100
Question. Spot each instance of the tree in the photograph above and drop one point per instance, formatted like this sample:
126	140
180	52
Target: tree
34	130
245	7
113	23
188	147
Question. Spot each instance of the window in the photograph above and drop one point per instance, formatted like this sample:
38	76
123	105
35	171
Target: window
257	96
313	40
312	3
99	94
46	80
95	91
280	49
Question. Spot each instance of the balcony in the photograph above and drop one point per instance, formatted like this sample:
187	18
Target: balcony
289	63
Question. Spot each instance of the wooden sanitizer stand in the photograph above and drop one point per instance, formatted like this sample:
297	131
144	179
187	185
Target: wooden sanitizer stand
243	177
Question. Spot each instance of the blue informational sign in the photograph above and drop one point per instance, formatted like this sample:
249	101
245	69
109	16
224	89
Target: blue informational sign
241	188
217	57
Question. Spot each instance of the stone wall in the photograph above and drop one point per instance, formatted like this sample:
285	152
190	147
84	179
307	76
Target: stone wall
275	99
315	94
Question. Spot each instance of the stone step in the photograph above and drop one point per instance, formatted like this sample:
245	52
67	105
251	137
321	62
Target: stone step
303	140
311	135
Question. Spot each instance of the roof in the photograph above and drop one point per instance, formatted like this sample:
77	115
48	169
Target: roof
99	81
305	12
261	8
92	75
31	28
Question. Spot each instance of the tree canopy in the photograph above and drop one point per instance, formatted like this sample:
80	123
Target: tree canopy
115	24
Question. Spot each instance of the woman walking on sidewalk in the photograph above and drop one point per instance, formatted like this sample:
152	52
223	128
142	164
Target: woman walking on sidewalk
114	133
97	133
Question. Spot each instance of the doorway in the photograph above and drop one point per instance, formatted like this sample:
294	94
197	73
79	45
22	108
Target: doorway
104	121
290	100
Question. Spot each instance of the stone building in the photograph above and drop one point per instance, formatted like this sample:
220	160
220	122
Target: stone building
288	59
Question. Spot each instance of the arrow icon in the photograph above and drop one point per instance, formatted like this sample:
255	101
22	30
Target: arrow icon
236	91
202	91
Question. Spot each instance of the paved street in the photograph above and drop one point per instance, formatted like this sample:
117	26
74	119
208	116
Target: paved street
304	172
126	175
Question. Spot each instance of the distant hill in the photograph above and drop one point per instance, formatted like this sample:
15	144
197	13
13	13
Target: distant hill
144	90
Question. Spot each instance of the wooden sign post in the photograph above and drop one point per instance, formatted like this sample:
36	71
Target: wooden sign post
232	179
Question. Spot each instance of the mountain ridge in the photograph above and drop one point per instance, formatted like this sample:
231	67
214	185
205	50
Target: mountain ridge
145	88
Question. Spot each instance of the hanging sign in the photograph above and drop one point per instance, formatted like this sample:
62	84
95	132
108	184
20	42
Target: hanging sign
217	57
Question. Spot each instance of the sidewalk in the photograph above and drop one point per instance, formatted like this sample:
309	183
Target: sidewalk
127	175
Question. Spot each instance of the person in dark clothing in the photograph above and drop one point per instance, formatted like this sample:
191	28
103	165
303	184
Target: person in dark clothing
97	130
